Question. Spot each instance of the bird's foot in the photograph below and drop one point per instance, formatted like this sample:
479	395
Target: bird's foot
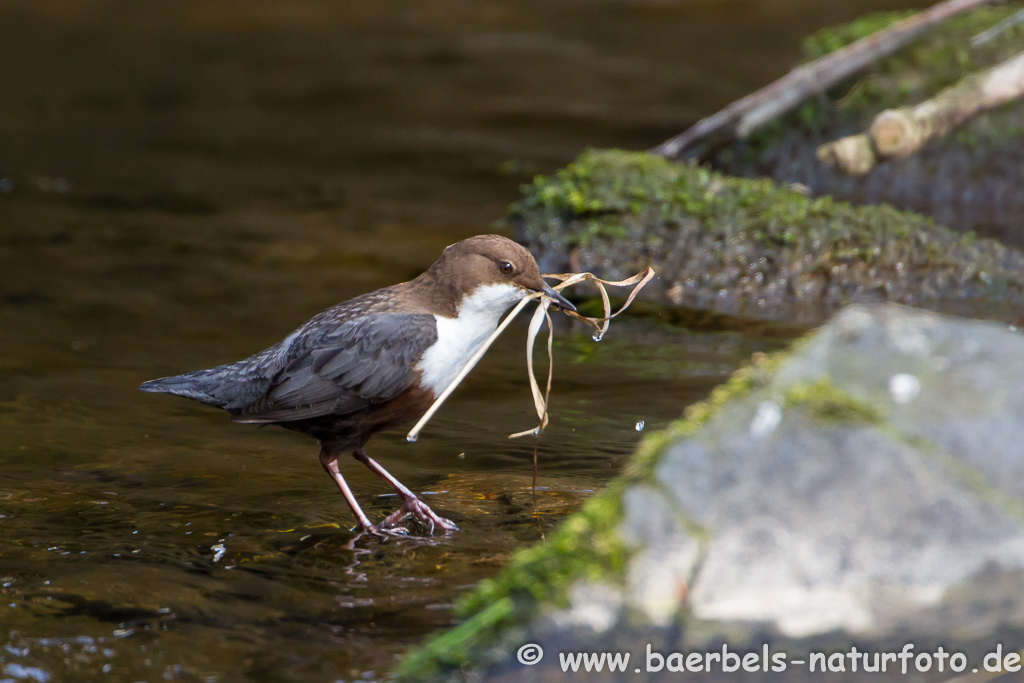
422	512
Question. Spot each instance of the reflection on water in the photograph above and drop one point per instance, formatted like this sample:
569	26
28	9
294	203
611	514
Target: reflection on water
182	183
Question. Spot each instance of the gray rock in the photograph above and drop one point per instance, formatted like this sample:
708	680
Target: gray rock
864	489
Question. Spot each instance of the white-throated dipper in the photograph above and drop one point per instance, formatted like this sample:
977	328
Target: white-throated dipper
376	361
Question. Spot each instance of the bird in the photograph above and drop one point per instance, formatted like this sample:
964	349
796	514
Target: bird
375	362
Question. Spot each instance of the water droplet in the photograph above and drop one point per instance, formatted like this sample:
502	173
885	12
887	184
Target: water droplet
412	438
640	426
598	336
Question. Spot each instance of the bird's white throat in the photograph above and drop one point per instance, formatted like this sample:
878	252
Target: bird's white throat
460	337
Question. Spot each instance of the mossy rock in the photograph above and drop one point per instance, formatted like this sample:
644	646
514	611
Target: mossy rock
972	179
862	488
753	248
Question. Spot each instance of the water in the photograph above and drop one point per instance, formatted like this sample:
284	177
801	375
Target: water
183	183
172	537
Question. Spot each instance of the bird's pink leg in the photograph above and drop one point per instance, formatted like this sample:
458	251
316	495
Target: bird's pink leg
410	503
330	462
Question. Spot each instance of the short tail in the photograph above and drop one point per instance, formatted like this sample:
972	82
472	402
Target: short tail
200	386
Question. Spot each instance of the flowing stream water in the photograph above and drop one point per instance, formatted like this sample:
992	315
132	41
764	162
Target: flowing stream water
183	183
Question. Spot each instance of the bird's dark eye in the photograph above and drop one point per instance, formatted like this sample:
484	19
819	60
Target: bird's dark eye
505	267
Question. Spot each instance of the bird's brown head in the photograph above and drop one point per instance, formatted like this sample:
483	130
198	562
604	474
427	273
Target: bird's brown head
494	262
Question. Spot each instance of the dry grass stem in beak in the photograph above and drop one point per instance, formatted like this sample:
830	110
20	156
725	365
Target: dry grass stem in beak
542	314
600	326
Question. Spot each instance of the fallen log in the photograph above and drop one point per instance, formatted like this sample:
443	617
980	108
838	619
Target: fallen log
747	114
991	34
898	133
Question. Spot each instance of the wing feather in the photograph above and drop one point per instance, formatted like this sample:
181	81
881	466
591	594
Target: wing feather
345	367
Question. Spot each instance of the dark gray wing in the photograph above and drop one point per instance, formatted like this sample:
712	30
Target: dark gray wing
343	368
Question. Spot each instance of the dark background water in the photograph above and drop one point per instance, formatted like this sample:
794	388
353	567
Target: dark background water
182	183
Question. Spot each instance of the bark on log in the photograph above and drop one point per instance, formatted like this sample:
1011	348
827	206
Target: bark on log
991	34
898	133
746	114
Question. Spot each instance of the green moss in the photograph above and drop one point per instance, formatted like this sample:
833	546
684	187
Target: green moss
601	185
941	177
825	401
717	235
454	649
940	57
587	546
544	572
832	38
599	190
936	60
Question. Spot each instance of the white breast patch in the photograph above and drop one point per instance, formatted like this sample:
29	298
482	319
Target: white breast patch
460	337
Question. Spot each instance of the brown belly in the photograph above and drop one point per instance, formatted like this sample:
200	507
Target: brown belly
352	430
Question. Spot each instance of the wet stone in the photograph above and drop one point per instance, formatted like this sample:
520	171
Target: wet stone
864	516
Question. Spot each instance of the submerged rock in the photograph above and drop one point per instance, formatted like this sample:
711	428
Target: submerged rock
864	489
972	179
750	247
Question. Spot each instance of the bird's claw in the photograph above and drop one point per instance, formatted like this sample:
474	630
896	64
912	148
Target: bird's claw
422	512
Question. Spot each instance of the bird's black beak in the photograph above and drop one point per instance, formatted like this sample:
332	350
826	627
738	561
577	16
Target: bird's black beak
558	298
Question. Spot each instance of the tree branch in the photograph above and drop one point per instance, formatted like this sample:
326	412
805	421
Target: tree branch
898	133
747	114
